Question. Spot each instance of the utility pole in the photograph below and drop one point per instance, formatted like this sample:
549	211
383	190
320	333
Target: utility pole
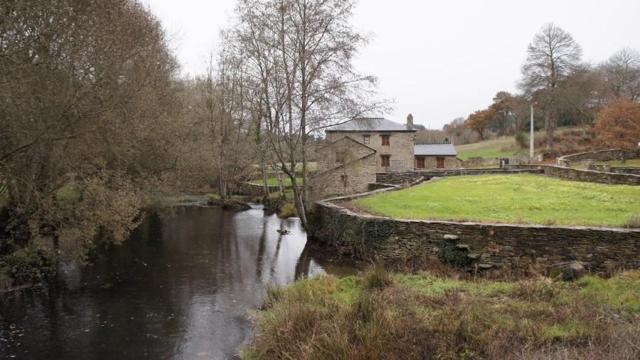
531	135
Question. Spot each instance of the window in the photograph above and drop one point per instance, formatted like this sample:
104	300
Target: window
385	160
385	140
340	155
420	163
366	139
440	162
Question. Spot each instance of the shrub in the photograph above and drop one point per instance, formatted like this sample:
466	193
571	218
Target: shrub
522	140
27	265
288	210
377	278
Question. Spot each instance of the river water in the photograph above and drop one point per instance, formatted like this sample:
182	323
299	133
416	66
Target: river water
183	287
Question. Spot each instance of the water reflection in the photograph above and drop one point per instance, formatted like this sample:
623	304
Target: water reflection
180	288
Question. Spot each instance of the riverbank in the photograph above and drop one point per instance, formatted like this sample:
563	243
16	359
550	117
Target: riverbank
398	316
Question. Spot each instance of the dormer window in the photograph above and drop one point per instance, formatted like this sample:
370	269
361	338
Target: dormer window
366	139
385	140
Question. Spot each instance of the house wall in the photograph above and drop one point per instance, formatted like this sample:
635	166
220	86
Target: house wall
358	175
430	162
401	147
359	169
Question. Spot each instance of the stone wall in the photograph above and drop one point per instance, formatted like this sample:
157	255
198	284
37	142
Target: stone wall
411	176
601	155
492	249
250	189
591	176
615	169
552	171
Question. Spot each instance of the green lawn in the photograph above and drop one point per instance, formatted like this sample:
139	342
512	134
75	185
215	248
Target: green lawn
635	163
522	198
272	181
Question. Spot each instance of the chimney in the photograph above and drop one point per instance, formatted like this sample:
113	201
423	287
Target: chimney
410	122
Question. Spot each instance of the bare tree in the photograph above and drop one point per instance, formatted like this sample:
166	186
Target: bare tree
299	55
622	74
552	56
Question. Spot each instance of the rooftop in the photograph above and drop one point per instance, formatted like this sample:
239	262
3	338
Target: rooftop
435	150
370	124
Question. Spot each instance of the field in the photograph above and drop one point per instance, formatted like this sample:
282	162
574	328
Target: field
523	198
496	148
273	181
396	316
568	140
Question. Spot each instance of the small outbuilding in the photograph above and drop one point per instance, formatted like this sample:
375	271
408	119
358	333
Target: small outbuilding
436	156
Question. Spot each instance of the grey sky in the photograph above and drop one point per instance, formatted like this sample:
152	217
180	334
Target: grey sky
436	59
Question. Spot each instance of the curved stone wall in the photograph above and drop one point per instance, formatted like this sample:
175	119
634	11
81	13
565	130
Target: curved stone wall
600	155
494	249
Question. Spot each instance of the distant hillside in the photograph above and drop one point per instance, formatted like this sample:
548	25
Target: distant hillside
568	141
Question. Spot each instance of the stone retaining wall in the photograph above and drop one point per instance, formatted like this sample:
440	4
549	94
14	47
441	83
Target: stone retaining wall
493	249
250	189
600	155
615	169
552	171
591	176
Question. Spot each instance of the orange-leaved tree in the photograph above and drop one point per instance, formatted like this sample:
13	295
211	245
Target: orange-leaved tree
479	121
618	125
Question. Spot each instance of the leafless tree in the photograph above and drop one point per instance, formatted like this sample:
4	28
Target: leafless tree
552	56
299	56
622	74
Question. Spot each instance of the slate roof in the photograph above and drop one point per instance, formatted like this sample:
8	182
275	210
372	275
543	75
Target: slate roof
435	150
370	124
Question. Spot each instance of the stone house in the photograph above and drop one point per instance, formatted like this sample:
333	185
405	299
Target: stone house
355	151
345	167
392	142
436	156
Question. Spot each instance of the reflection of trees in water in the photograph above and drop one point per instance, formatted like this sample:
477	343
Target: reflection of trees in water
180	286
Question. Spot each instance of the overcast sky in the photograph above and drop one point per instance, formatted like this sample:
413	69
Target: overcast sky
436	59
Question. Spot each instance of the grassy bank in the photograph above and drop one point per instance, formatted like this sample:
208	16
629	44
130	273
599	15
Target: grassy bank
502	147
273	181
382	316
522	198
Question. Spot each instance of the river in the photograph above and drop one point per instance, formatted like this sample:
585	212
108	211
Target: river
182	287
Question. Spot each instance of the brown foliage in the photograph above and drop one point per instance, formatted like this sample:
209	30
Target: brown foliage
479	121
618	125
87	108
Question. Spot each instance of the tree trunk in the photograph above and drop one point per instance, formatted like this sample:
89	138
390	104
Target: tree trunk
549	125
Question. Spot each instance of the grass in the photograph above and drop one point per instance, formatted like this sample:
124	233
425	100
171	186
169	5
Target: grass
495	148
522	198
273	181
396	316
635	163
